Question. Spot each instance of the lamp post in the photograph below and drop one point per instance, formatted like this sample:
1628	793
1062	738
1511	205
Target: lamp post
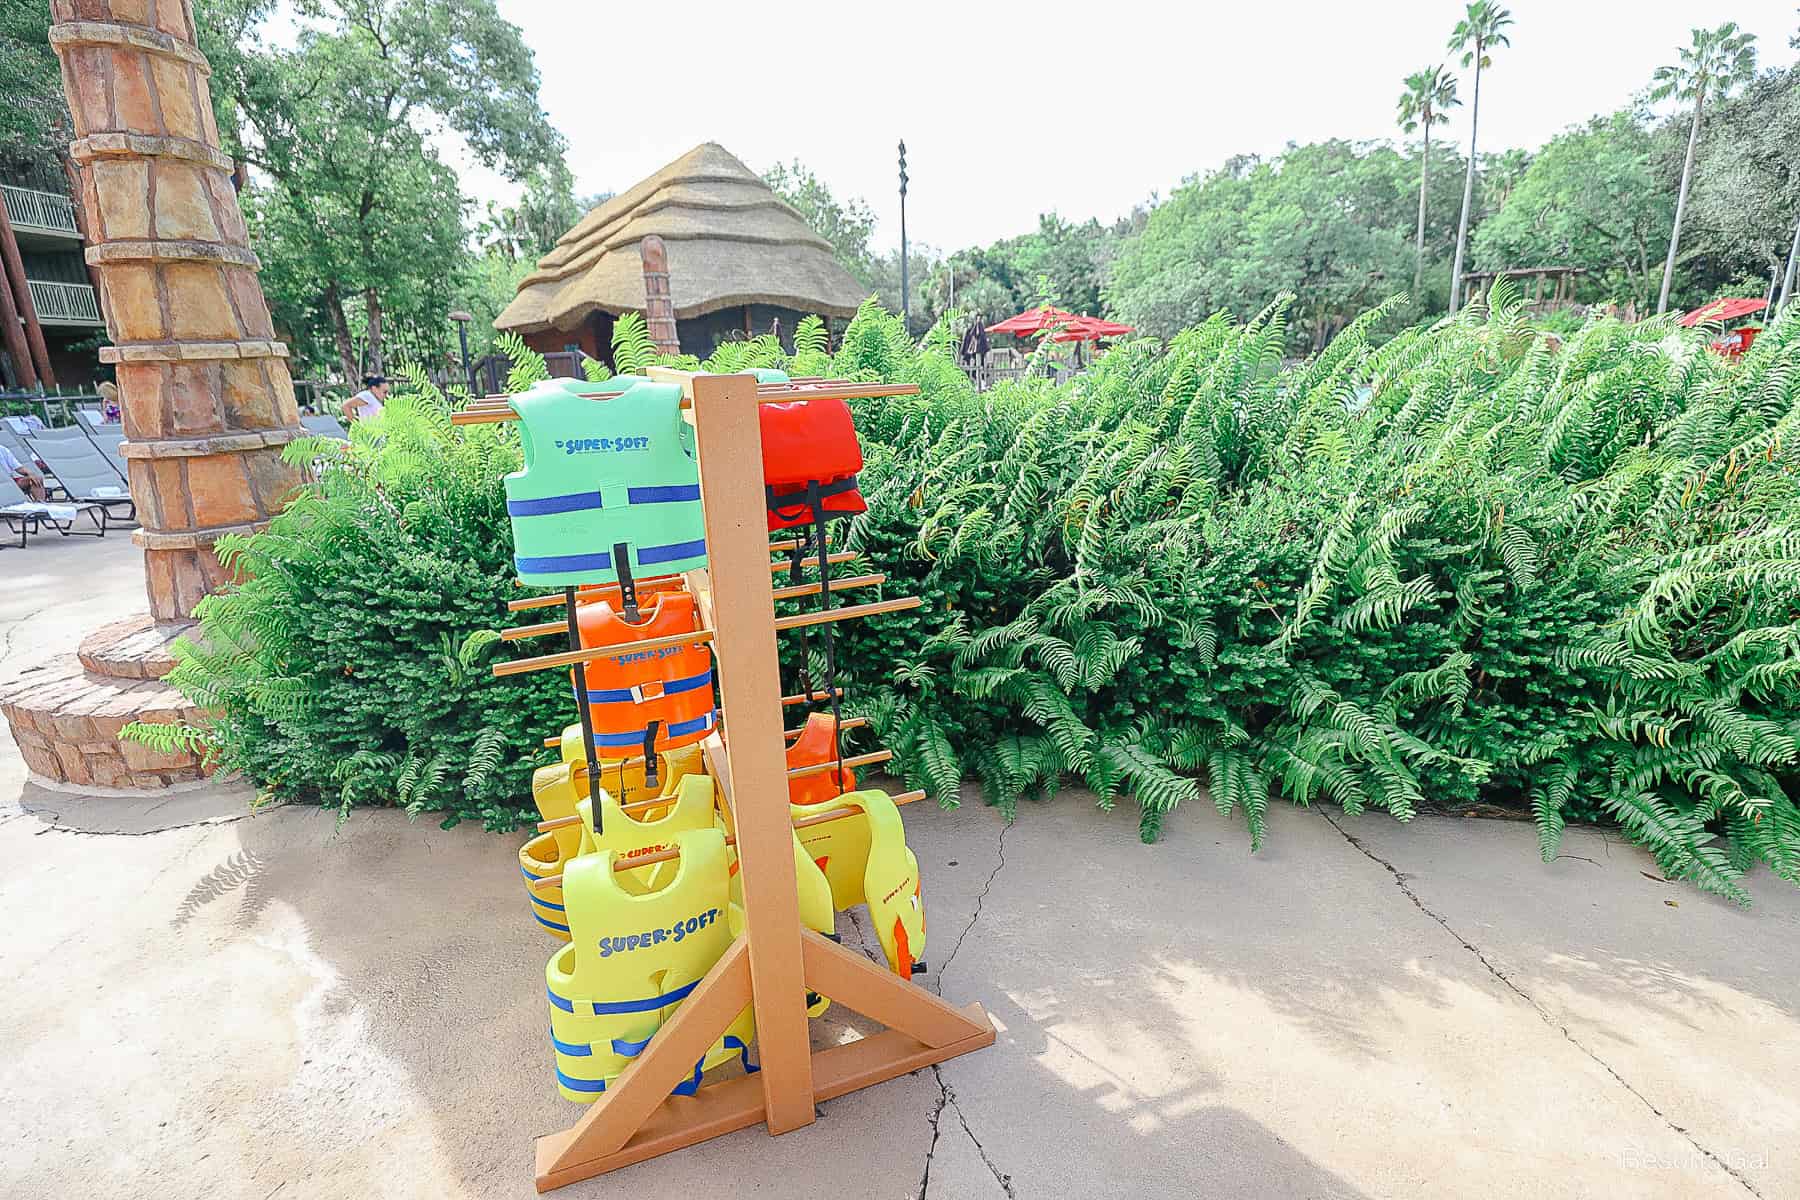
462	320
905	301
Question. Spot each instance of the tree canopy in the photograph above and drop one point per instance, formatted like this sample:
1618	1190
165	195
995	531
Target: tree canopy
1591	198
351	200
1332	223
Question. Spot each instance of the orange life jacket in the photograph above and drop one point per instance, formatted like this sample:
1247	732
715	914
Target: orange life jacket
807	445
670	686
815	745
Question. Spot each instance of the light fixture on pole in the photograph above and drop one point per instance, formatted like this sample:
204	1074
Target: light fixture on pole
462	320
905	306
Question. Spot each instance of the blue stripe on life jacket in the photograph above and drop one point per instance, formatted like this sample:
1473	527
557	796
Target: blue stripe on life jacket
529	875
732	1041
606	1008
580	1085
573	1049
626	1048
690	1086
550	563
673	687
549	905
551	505
663	494
658	554
674	729
549	924
683	728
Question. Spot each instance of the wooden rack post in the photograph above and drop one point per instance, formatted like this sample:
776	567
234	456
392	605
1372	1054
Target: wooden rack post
775	961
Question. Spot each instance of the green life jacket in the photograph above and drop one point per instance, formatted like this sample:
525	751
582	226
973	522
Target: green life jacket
601	472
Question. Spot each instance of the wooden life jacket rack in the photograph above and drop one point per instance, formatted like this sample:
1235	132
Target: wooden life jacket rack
776	961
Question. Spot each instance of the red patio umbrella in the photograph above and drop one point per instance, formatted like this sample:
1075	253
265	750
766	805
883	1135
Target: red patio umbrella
1091	329
1034	320
1066	326
1726	309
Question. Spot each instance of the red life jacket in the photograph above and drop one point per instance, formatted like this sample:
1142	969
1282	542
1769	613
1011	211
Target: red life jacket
671	686
814	746
808	443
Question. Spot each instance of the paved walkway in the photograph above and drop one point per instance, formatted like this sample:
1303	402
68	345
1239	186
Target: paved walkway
195	1002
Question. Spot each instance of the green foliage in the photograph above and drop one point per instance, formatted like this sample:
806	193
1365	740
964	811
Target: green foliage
1333	223
1460	566
351	666
1591	198
34	121
1463	565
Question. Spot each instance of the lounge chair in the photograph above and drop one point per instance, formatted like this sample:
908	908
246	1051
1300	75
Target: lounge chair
26	516
326	425
107	439
82	471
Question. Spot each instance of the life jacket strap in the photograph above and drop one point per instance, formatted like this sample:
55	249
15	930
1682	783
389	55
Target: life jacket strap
635	737
615	1008
792	504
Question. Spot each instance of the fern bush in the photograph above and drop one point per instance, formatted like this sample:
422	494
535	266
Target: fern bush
1469	563
1465	564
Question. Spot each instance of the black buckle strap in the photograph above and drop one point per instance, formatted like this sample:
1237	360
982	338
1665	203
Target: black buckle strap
581	709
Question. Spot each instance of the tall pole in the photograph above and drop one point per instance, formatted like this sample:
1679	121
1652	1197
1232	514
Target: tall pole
1787	278
905	299
462	320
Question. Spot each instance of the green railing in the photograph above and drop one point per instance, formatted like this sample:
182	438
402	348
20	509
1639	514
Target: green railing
64	303
39	212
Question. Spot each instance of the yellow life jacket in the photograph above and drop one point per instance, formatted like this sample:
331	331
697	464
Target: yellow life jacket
865	860
555	790
633	959
631	837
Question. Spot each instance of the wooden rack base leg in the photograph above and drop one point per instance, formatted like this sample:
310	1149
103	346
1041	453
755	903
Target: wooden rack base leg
637	1119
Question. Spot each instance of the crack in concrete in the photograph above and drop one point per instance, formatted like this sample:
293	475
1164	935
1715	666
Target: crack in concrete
947	1097
51	827
1000	852
1542	1013
937	1115
6	644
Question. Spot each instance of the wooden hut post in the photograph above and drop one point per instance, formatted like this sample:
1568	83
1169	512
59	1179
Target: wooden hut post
659	301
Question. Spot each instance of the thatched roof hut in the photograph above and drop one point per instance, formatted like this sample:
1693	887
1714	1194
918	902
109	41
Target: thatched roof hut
739	258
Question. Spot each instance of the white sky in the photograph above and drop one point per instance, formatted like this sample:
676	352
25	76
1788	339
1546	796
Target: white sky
1080	108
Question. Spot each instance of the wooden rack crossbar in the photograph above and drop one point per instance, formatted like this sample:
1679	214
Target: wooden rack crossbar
662	583
671	854
491	410
637	806
569	658
551	743
791	591
772	965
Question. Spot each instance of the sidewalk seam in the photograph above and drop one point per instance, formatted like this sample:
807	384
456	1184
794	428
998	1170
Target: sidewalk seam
1542	1014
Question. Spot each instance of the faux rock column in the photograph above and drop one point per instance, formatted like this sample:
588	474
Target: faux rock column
204	385
205	390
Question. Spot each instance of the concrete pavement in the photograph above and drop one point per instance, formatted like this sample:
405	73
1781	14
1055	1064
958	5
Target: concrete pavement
197	1002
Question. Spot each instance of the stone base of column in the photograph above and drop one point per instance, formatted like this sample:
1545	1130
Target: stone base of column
66	714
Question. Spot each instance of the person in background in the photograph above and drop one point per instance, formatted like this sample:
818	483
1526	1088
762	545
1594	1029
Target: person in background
109	398
368	402
29	481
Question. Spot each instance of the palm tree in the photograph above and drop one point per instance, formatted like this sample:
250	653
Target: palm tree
1428	94
1717	61
1482	28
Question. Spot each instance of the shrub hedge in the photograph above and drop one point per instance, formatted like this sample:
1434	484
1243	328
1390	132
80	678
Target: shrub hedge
1469	563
